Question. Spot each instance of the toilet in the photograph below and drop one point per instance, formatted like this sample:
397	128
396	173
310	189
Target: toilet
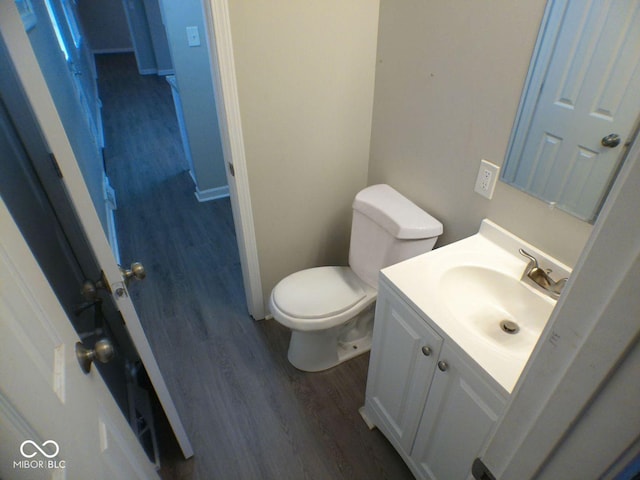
330	309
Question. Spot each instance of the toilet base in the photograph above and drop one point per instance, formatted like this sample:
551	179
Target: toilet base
314	351
317	351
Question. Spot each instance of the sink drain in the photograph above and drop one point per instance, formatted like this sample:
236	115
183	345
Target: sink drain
509	327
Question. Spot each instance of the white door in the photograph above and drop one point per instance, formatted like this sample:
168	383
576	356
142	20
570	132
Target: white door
34	85
591	91
55	421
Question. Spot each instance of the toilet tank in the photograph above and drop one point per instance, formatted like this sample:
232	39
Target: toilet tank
386	229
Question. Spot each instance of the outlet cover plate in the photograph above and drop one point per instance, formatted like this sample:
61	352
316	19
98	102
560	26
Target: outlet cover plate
487	178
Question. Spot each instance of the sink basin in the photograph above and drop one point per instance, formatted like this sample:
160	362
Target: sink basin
500	309
472	291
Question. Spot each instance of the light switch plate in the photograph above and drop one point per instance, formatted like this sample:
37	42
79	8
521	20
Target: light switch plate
487	178
193	36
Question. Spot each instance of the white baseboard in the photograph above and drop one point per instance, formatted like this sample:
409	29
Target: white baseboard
165	72
212	193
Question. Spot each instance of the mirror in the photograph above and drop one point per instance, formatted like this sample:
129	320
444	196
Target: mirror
580	106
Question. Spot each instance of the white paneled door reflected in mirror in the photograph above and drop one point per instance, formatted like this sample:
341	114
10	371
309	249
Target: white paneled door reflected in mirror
580	106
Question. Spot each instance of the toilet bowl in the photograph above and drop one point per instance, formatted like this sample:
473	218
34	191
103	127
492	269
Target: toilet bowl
330	309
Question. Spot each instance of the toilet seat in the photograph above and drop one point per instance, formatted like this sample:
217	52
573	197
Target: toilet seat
319	298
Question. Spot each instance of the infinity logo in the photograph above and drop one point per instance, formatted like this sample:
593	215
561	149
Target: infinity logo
37	447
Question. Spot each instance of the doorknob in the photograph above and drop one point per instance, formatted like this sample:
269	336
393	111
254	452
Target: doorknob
90	288
103	352
136	271
612	140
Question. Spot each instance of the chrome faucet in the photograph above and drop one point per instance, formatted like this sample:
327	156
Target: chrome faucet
541	277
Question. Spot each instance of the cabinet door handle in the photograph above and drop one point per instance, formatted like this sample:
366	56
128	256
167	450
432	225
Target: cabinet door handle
443	366
426	351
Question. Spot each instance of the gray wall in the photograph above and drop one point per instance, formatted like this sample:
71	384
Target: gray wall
193	76
448	82
159	39
105	25
305	73
448	77
140	33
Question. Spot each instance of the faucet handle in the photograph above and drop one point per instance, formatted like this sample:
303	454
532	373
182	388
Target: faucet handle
533	262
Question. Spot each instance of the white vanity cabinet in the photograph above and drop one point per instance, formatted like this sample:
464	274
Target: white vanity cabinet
433	403
460	410
403	360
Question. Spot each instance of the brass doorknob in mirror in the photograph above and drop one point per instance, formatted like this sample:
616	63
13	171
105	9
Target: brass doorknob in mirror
612	140
103	351
136	271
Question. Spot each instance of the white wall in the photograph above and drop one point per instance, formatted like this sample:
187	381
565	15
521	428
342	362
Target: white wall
305	73
448	82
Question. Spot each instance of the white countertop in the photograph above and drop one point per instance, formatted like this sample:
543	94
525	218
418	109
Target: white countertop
418	280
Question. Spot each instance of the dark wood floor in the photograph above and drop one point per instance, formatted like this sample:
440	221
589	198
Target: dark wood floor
248	412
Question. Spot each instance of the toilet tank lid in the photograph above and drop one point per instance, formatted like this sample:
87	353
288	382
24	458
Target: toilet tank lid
395	213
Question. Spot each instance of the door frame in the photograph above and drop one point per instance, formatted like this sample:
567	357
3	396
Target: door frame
223	73
30	76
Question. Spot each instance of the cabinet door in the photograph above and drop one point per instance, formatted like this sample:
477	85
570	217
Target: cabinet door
459	413
399	370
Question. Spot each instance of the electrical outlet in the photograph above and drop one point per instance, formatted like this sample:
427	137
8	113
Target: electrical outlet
487	178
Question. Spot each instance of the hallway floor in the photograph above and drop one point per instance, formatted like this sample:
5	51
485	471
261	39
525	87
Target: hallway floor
248	412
